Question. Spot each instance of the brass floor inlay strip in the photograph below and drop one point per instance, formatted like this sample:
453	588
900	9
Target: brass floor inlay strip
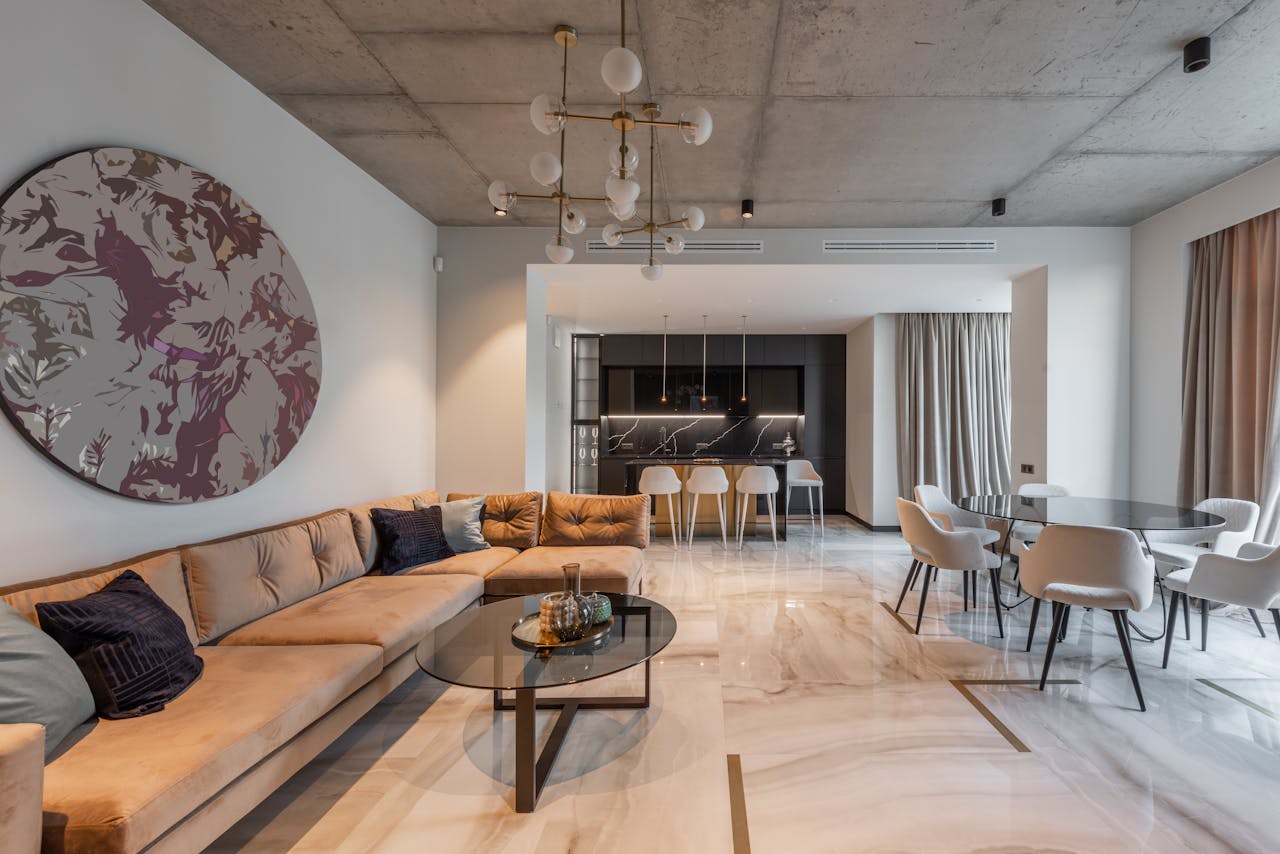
1233	695
962	685
898	617
738	806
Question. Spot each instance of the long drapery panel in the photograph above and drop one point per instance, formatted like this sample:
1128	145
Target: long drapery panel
953	402
1230	369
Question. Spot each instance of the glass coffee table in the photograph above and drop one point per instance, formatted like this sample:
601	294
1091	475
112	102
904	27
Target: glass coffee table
475	649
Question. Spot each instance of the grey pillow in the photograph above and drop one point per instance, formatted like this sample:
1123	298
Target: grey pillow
39	683
462	529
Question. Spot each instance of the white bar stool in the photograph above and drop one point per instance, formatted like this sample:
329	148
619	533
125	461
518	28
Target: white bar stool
757	480
708	480
663	480
801	473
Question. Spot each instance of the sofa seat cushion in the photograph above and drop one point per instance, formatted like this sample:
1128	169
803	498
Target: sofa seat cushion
116	786
393	612
479	563
606	569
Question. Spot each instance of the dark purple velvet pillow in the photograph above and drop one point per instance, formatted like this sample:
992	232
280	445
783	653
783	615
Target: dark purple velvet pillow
409	538
130	645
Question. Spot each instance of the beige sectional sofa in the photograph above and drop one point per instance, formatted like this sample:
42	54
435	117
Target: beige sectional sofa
300	636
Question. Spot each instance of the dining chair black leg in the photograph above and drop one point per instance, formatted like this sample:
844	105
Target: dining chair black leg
924	595
1058	612
1122	631
906	583
1186	615
1174	595
1257	622
1204	625
995	599
965	594
1035	614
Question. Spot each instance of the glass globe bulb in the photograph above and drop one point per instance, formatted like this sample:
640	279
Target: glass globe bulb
675	244
621	213
547	114
653	271
621	191
627	158
695	125
573	222
694	218
501	196
558	251
621	70
545	168
612	234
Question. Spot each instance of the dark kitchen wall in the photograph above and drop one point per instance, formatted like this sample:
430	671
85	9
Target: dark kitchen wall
802	375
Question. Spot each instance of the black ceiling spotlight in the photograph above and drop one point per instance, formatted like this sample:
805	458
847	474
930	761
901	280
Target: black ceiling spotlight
1195	56
748	208
997	206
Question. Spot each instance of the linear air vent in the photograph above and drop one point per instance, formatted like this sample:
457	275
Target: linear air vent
907	246
698	247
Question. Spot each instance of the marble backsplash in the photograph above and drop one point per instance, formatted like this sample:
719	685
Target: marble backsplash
629	435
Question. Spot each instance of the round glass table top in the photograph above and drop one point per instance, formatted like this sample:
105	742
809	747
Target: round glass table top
1108	512
475	648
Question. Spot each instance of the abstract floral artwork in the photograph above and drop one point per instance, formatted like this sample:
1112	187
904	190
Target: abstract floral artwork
156	338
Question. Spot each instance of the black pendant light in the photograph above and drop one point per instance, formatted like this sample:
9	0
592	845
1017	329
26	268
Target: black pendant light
704	360
663	399
743	399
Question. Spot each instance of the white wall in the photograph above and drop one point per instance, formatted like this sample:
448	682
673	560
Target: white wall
82	73
485	302
1028	376
559	457
1161	263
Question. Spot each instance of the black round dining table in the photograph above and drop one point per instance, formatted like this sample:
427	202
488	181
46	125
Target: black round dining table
1137	516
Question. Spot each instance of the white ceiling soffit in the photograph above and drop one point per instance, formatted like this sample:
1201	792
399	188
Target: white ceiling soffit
698	247
829	113
818	298
906	246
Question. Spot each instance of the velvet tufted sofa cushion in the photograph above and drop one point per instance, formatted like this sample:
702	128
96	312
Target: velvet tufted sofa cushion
596	520
511	520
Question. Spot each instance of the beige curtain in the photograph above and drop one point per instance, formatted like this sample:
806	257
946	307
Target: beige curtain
953	402
1230	369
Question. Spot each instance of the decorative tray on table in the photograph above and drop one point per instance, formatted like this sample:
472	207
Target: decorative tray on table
527	633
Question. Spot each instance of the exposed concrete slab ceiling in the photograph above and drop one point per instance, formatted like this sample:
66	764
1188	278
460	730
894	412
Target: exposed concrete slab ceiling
833	113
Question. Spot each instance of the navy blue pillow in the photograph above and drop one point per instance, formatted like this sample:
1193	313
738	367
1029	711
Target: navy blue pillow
410	538
131	647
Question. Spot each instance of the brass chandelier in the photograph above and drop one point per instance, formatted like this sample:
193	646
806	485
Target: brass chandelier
622	73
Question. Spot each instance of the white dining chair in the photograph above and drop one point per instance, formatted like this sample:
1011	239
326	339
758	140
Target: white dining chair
1250	580
1089	567
933	547
1024	533
663	480
708	480
936	503
802	474
753	481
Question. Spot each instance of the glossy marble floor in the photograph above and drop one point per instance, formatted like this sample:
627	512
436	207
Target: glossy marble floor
795	712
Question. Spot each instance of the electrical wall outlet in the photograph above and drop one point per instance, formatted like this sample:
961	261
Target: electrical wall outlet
1027	468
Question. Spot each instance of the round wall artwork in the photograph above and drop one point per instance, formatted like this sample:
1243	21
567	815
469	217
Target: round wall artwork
156	338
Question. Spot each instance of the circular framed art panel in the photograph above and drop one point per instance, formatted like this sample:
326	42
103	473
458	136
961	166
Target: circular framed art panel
156	338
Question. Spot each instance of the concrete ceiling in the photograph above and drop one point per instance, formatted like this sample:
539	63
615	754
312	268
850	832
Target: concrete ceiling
830	113
817	298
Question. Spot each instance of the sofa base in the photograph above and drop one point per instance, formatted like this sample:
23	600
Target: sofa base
221	812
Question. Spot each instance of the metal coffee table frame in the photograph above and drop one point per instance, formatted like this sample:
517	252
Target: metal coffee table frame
532	767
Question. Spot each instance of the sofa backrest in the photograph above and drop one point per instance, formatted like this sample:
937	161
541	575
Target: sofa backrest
162	572
362	523
239	579
512	520
595	520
